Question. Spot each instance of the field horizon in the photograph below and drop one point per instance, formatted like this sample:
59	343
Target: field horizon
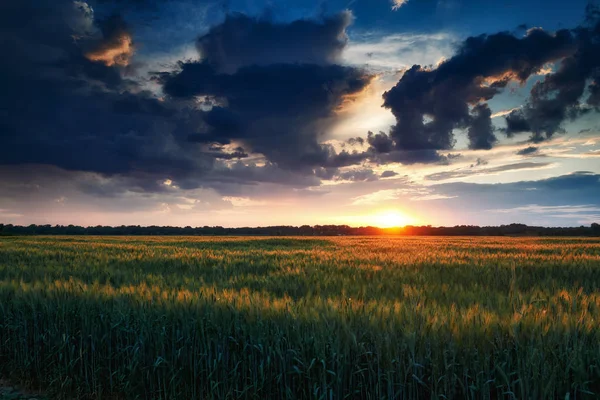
513	229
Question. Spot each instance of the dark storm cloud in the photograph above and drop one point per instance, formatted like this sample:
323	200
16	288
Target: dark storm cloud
430	103
48	84
558	97
516	123
344	158
481	131
380	142
219	152
353	174
44	40
356	141
278	88
65	101
242	40
279	110
383	150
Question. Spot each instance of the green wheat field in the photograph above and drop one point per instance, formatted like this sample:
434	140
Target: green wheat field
301	318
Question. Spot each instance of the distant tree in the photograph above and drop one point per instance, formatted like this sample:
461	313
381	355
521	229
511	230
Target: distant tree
329	230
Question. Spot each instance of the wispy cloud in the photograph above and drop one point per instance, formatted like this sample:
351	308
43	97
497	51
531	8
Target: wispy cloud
588	154
503	113
583	214
377	197
244	201
466	172
398	51
9	214
412	194
396	4
539	209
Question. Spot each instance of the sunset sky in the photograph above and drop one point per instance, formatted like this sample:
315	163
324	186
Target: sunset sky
272	112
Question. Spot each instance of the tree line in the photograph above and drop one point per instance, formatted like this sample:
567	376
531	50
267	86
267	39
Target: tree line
304	230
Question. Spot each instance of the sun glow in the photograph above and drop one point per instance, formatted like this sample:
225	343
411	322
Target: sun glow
391	219
382	219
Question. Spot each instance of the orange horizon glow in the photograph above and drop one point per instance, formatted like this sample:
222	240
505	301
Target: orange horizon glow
392	219
388	218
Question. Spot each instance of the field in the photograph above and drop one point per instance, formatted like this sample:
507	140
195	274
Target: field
311	318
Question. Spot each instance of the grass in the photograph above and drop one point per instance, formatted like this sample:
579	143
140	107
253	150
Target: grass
334	318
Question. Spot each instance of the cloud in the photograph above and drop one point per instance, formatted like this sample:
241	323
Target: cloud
504	113
32	191
244	41
475	200
377	197
74	105
237	201
356	175
463	173
7	215
412	193
253	111
396	4
481	131
558	97
398	51
116	46
527	151
575	188
388	174
277	103
430	103
535	208
79	114
429	197
583	155
580	213
279	110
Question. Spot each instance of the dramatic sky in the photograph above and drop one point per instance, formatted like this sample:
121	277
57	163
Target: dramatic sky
291	112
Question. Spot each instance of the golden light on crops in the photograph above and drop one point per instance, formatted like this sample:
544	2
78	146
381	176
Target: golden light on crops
500	298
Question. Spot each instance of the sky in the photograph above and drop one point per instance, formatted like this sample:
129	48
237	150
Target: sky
254	113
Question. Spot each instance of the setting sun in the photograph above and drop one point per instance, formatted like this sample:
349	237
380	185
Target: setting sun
390	219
